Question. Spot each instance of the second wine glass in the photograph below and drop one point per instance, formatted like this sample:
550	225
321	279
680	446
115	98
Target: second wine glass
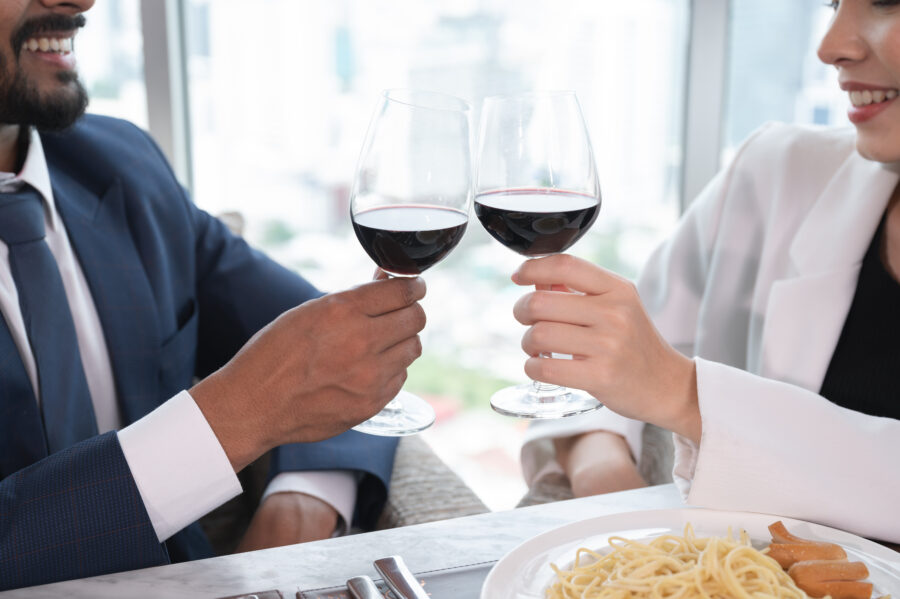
537	193
410	205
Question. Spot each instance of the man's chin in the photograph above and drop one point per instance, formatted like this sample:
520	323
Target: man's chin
61	116
47	111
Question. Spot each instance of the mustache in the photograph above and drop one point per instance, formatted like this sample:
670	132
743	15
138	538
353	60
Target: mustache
37	25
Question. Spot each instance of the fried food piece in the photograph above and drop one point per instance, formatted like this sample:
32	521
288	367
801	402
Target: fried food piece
827	571
819	569
839	589
788	554
780	534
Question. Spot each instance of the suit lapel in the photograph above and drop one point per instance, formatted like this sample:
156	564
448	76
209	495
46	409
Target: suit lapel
101	238
805	313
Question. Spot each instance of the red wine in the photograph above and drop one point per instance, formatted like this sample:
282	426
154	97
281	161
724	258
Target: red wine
536	222
406	240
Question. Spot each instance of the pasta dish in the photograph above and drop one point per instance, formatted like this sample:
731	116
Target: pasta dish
674	567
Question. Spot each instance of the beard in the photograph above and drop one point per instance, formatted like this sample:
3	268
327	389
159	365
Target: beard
22	103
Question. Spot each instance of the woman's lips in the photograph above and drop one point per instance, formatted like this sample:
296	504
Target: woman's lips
863	113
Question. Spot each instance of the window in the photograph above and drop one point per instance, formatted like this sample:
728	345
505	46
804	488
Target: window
110	60
281	95
774	72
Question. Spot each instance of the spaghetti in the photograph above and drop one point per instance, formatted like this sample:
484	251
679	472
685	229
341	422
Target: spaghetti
673	567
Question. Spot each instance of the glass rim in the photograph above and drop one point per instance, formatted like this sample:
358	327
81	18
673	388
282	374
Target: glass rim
406	96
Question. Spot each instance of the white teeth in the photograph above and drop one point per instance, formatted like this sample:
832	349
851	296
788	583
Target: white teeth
866	97
45	44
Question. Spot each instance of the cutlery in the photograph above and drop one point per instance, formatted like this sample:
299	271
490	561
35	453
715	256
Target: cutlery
398	577
362	587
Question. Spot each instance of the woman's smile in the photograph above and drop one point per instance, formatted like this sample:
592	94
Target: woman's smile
867	101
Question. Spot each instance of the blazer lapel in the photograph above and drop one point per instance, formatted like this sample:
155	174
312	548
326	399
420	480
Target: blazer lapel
101	238
805	313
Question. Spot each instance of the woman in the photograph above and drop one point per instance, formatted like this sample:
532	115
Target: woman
782	280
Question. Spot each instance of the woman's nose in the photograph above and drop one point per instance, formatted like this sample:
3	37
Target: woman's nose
844	41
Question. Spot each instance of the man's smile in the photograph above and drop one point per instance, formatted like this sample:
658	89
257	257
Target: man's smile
59	44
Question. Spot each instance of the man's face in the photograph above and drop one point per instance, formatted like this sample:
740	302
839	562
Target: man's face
39	85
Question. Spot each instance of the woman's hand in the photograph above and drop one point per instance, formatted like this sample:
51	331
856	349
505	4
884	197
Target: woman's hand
618	355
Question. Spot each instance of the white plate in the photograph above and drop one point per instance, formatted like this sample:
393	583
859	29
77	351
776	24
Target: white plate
525	572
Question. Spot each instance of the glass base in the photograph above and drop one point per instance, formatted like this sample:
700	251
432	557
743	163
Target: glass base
406	414
524	401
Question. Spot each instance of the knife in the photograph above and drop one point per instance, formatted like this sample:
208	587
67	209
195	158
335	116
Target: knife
398	577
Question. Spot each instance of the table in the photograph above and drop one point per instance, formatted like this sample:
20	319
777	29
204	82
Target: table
432	546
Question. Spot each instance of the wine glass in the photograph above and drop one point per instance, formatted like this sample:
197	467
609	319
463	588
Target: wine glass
537	193
410	206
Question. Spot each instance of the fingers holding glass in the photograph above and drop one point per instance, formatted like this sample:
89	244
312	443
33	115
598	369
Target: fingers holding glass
537	193
410	206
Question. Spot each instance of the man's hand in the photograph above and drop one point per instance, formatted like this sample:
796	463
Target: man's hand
597	462
286	519
316	370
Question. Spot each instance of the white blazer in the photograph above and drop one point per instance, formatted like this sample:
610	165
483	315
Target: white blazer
756	283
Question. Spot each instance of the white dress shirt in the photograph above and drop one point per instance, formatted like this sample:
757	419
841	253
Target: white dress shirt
180	469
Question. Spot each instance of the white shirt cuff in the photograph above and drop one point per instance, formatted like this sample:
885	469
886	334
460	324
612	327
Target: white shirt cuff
335	487
686	453
178	464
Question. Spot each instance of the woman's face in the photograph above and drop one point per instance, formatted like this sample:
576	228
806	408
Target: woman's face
863	43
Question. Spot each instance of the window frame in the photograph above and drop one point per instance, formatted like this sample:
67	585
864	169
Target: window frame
165	78
706	84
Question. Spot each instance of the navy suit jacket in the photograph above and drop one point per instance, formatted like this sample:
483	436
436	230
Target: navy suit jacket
177	296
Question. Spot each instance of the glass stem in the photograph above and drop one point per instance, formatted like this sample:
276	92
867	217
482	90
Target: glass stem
545	392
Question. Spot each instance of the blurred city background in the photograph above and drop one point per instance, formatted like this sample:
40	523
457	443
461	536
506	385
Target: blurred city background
279	94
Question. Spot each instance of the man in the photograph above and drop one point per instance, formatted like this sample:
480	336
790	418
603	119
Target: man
115	293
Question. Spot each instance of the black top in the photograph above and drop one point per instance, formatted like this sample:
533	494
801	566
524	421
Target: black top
864	373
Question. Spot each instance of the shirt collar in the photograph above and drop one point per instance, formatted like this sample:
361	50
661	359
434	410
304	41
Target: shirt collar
35	173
